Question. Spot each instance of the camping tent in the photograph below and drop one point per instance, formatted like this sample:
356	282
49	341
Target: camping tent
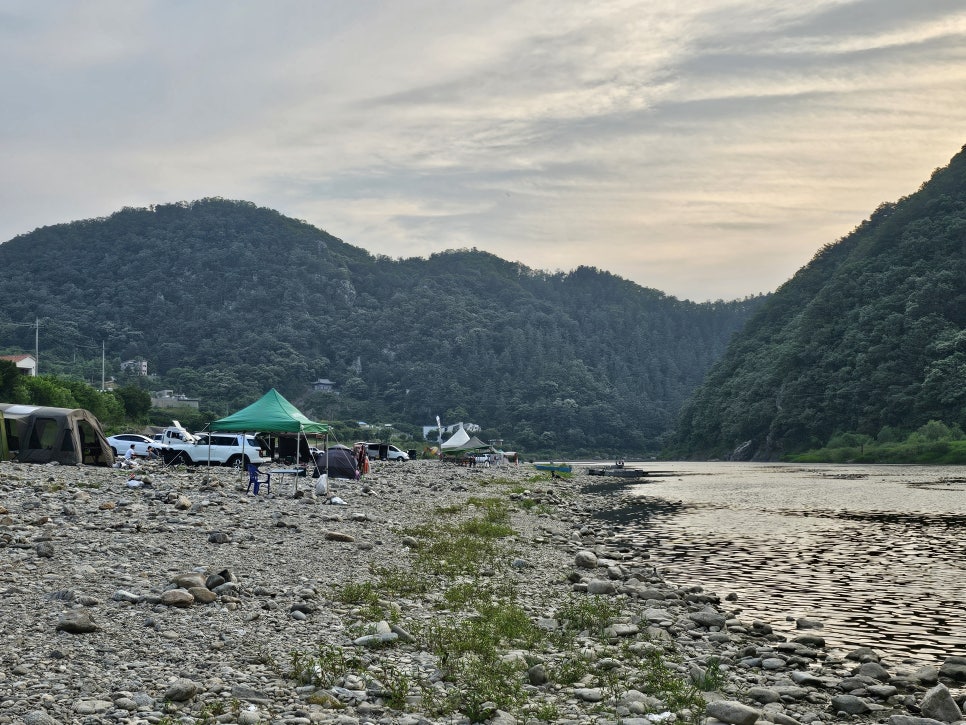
338	462
461	441
43	435
271	413
455	442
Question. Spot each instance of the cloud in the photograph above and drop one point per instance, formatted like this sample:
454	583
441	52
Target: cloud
706	149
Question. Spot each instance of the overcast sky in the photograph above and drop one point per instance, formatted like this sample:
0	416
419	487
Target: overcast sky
705	148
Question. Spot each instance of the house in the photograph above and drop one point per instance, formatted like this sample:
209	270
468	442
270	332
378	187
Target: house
171	399
323	385
448	430
137	367
26	364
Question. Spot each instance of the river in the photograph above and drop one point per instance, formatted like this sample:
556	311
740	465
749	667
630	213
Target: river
873	552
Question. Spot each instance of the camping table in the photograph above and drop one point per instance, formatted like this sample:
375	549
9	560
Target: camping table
283	472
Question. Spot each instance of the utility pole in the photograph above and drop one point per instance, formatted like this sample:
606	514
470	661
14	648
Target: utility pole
37	348
102	366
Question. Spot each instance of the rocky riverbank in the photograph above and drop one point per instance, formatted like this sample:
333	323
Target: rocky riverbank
433	594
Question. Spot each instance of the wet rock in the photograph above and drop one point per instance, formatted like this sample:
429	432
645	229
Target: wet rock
954	668
708	618
938	704
849	704
874	670
863	654
810	640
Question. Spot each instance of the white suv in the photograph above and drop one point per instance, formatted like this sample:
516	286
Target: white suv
228	449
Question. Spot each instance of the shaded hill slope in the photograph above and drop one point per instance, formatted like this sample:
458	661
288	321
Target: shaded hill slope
225	300
870	334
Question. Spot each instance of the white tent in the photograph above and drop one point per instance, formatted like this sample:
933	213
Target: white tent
461	441
457	441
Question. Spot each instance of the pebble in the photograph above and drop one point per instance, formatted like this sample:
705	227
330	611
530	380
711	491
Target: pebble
201	595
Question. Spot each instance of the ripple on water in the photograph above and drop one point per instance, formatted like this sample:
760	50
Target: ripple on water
888	578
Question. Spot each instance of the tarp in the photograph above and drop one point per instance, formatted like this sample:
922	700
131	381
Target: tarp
271	413
41	434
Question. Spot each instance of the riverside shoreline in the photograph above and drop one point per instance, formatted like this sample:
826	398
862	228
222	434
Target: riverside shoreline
95	629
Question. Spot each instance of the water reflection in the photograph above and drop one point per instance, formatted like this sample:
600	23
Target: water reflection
875	552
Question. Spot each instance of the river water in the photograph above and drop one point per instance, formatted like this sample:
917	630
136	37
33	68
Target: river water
874	552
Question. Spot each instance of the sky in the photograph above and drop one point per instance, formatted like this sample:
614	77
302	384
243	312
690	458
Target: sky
706	149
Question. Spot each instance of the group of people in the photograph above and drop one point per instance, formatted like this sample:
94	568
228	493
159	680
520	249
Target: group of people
130	457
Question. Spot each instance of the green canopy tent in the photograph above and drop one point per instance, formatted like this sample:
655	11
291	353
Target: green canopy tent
271	413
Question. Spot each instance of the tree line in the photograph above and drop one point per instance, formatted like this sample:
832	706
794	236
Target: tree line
225	300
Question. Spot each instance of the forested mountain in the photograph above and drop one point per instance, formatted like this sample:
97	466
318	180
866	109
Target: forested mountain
868	338
225	300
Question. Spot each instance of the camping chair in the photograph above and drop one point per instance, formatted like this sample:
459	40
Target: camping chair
254	482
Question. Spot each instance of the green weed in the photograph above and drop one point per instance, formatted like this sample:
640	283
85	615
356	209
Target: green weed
593	614
711	678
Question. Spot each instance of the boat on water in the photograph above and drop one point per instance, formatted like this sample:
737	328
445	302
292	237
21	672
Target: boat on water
554	467
617	471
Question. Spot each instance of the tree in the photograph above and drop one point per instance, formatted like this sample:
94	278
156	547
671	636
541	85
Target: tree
136	402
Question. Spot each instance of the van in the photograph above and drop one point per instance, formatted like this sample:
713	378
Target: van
385	452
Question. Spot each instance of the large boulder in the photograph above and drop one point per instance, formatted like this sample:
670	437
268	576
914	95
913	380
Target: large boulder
938	704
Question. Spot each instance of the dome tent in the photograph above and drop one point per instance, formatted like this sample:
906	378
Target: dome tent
41	434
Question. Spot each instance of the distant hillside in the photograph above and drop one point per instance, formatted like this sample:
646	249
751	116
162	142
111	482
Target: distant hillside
225	300
868	336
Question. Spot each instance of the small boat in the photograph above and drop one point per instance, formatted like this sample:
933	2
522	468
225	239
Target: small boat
554	467
617	471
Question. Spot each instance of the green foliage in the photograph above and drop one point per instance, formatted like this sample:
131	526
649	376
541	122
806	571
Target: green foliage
9	375
870	336
932	443
583	613
325	668
136	402
661	681
582	363
711	677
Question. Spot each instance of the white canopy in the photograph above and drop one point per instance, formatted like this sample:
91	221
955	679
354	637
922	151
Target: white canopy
457	441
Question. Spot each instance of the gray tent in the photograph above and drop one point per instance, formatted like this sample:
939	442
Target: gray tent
36	434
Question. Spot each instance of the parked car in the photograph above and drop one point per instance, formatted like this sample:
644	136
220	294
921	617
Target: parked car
120	443
392	453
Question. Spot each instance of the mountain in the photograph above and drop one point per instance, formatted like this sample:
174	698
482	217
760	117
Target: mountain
226	300
867	338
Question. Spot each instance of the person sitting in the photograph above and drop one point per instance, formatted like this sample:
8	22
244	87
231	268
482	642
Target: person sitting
152	455
130	454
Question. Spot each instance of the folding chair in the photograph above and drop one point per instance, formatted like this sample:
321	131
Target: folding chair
254	482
